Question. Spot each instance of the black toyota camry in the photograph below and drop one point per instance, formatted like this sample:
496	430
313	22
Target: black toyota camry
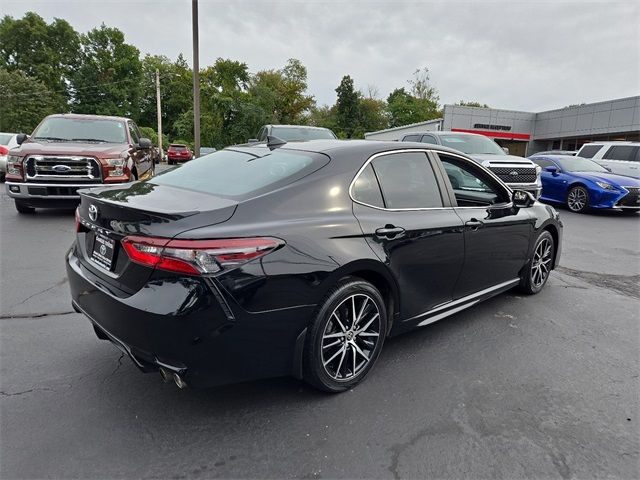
299	259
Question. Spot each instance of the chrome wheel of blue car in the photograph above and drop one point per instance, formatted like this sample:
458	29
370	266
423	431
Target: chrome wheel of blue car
578	199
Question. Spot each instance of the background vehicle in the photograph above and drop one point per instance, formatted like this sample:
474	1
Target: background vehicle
7	142
178	152
517	172
556	152
293	133
582	184
619	157
260	261
68	152
206	151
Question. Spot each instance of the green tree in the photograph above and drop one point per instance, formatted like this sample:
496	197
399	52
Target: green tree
347	107
46	52
463	103
24	101
109	79
417	105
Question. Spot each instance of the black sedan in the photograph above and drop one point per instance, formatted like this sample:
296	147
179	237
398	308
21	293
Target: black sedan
299	259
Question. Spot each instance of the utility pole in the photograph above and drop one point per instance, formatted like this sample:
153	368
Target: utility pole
159	110
196	79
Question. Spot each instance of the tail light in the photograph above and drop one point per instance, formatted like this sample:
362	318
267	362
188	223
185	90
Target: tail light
3	150
197	257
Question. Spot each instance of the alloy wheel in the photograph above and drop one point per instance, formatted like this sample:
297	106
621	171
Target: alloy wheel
350	337
541	264
577	199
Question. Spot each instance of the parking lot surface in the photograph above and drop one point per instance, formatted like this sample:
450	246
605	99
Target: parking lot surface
544	386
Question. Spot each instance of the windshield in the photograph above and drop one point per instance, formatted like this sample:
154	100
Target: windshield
81	129
231	173
579	164
472	144
294	134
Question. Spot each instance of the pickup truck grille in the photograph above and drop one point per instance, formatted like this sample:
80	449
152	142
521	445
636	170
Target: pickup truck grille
515	174
62	169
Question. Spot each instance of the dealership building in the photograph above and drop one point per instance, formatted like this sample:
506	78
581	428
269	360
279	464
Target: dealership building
525	133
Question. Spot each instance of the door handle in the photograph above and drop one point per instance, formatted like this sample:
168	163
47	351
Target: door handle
474	224
389	231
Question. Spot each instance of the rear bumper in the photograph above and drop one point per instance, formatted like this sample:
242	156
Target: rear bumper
190	325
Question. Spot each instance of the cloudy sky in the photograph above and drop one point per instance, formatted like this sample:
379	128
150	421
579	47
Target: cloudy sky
532	55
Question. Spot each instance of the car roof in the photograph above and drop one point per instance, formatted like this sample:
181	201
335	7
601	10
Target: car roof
617	142
336	147
444	133
81	116
310	127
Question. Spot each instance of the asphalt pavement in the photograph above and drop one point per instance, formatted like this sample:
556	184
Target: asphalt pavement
517	387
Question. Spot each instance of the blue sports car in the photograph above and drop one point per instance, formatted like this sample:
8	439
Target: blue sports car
582	184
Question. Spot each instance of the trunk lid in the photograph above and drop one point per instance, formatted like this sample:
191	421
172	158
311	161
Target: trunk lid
140	209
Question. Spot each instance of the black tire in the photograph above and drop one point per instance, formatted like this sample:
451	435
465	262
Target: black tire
361	342
23	208
539	265
2	177
578	199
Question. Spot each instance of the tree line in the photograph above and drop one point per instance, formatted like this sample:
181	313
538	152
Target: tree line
51	68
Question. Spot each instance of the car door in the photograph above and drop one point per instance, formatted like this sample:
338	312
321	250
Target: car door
497	236
554	185
411	227
141	157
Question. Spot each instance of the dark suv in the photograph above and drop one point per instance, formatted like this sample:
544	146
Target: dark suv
68	152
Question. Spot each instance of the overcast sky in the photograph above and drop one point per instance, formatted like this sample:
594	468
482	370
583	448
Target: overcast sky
532	55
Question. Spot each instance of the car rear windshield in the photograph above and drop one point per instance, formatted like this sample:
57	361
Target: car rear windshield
293	134
178	148
472	144
5	138
81	130
242	174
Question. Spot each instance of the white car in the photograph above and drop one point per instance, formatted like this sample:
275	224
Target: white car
7	142
622	158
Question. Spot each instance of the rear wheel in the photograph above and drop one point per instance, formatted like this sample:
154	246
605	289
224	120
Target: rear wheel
23	208
578	199
346	336
536	273
2	177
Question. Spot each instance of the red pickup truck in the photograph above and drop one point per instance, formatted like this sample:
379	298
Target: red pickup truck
68	152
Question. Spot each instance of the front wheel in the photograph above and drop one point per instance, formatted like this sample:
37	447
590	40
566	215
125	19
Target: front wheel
24	208
578	199
536	272
346	337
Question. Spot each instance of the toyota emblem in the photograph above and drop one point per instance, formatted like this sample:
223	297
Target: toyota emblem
513	174
93	213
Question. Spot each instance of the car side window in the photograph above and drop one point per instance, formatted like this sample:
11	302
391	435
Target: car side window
262	134
472	186
589	151
407	181
411	138
135	137
366	188
622	152
429	139
543	162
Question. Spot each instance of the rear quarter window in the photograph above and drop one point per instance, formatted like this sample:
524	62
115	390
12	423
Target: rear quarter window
242	174
627	153
588	151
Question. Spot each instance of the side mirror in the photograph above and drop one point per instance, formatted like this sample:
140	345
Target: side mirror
21	137
552	169
522	199
505	150
144	143
253	140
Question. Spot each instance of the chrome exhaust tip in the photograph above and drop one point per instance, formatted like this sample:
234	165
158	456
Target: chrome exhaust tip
179	381
165	374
